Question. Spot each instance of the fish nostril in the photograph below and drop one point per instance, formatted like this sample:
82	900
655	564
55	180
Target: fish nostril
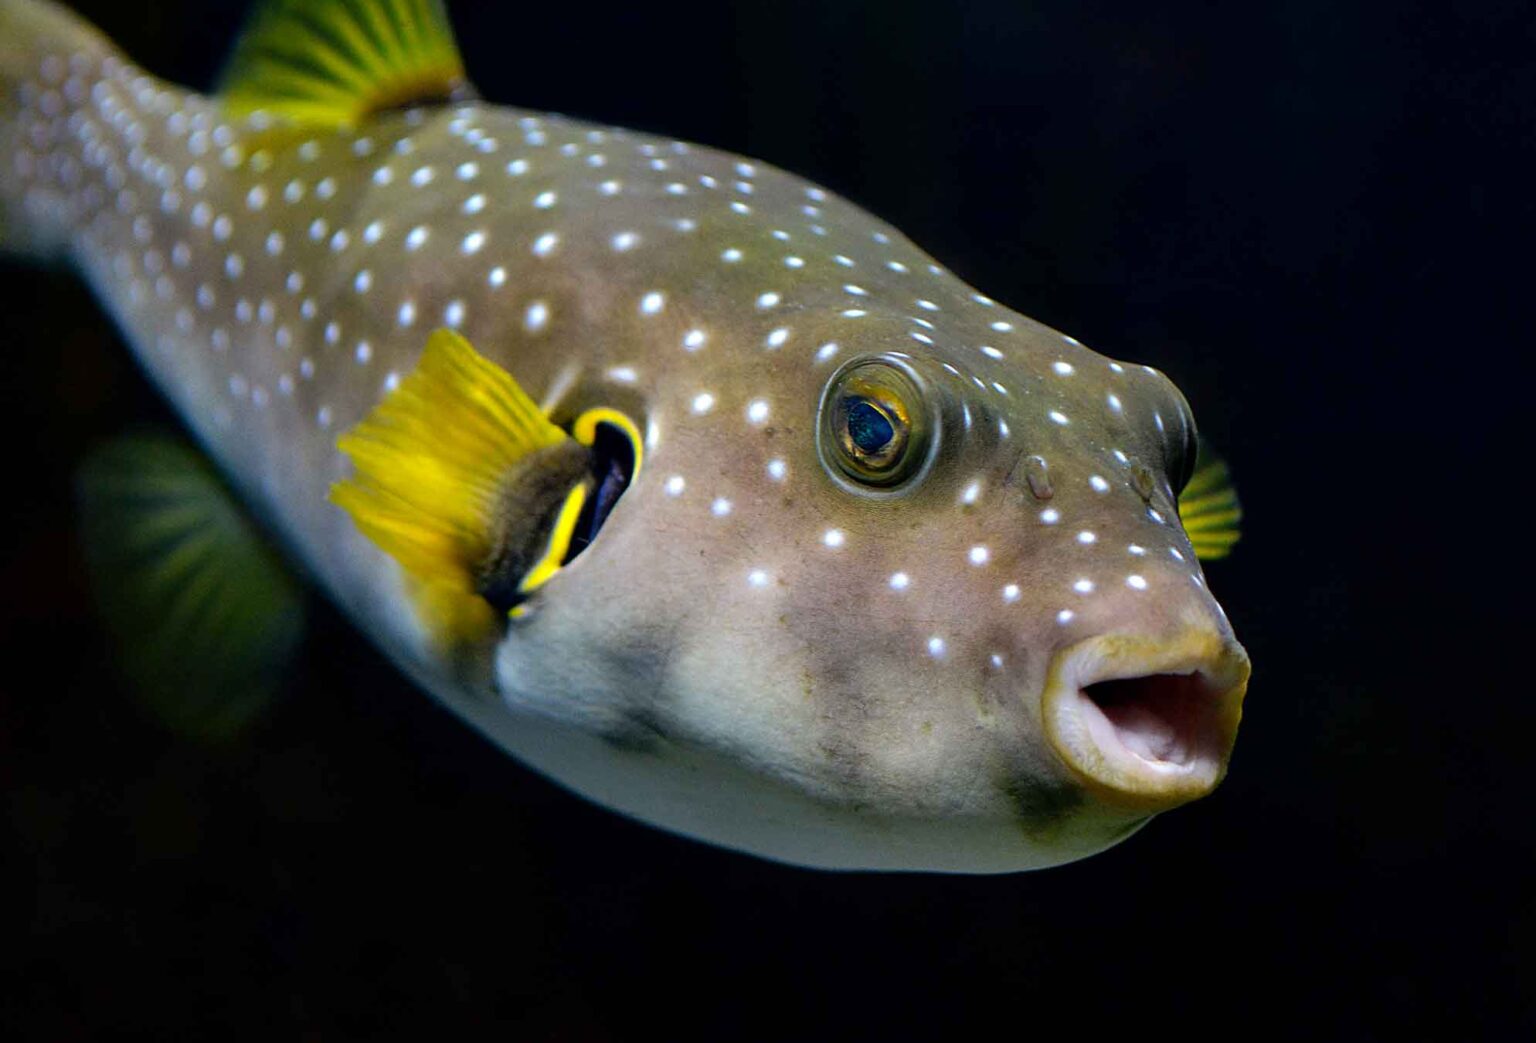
1162	718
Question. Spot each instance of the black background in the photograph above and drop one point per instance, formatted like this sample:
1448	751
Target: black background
1312	214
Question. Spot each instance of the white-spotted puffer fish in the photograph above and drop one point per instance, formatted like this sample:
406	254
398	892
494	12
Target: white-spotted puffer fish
695	487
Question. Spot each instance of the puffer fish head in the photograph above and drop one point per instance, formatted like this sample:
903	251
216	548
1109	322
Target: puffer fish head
903	564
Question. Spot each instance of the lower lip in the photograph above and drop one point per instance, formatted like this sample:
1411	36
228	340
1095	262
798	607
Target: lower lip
1146	724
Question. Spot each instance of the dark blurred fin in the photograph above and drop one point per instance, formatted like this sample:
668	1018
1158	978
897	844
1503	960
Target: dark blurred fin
1209	508
337	62
206	614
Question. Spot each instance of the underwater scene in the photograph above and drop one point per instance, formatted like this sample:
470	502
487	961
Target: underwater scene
763	520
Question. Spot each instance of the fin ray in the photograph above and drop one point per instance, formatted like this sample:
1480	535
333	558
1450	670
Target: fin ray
1209	508
336	62
204	611
435	484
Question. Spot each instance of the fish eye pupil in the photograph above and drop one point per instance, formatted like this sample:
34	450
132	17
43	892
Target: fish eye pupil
868	428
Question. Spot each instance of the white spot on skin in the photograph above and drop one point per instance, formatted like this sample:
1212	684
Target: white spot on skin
703	402
1063	368
472	243
693	340
453	314
1083	586
1050	516
1085	537
826	351
497	277
757	578
416	238
624	242
833	538
407	314
936	647
1137	550
1058	417
1065	616
777	338
757	411
545	244
731	256
720	507
675	485
971	494
777	469
1098	483
536	317
474	204
364	281
1011	593
767	300
991	352
900	581
652	303
1136	582
545	200
979	555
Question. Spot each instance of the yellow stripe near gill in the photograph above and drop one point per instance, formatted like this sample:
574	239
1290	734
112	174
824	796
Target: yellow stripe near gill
335	62
559	541
431	464
585	431
1210	510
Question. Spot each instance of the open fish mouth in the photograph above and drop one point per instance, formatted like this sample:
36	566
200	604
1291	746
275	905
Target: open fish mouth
1147	724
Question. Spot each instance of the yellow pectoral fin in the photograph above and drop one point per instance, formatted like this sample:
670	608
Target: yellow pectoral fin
1209	509
446	467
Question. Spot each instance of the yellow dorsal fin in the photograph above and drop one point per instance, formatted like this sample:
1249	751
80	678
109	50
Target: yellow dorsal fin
335	62
440	464
1209	509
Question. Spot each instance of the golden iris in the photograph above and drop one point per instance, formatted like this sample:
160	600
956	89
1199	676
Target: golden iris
877	423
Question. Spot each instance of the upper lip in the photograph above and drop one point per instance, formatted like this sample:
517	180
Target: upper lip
1161	738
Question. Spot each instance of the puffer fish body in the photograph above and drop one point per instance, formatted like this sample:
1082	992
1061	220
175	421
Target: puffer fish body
756	649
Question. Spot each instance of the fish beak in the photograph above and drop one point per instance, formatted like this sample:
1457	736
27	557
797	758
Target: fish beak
1147	724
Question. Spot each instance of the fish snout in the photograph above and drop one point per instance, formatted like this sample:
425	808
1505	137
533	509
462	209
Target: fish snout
1144	722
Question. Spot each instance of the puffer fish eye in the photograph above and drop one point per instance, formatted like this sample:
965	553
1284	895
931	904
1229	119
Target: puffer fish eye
874	424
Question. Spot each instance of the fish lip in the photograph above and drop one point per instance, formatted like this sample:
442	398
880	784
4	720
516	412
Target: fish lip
1209	707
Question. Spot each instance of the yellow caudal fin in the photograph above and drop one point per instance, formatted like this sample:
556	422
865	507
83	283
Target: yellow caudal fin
464	482
336	62
1209	508
38	39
